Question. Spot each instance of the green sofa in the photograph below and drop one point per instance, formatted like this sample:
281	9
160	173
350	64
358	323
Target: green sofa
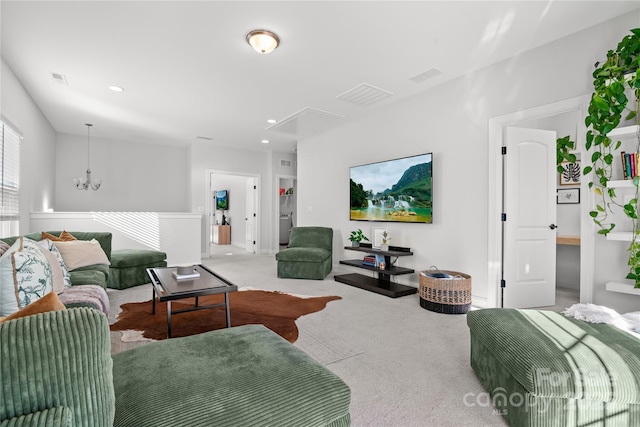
544	369
89	275
56	370
309	254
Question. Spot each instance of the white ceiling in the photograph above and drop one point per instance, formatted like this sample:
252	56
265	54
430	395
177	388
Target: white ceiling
188	71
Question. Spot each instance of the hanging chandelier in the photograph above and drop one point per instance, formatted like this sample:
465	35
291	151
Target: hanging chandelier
84	183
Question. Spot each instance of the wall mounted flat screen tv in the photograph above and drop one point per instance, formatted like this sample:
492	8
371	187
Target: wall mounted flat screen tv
222	200
398	190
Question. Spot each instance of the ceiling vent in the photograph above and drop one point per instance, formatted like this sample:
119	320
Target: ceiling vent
426	75
58	78
285	163
364	95
305	122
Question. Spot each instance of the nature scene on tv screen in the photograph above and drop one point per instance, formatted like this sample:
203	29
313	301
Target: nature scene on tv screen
222	200
394	190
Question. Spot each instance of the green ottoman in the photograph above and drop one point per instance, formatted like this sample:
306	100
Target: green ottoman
129	267
543	369
241	377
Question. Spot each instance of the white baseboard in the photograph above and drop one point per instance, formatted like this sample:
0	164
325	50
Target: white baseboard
479	302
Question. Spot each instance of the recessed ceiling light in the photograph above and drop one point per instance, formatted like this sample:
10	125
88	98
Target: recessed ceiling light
265	141
271	121
116	88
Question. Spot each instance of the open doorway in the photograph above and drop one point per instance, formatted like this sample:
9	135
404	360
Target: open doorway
573	267
286	206
232	211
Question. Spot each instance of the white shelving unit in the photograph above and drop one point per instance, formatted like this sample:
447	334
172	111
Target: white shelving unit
624	286
620	183
623	131
622	236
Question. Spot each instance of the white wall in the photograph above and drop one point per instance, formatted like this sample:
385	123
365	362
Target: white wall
135	177
236	185
205	156
450	121
37	149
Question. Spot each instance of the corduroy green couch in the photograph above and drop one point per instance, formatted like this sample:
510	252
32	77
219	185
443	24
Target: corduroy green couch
90	275
56	370
309	254
544	369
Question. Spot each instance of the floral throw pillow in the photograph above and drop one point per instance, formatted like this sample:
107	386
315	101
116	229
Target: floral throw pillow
3	247
48	244
32	273
8	298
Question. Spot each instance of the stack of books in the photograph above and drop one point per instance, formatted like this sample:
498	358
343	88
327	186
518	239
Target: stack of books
373	260
629	165
370	260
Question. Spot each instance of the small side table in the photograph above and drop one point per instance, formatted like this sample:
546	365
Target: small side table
222	234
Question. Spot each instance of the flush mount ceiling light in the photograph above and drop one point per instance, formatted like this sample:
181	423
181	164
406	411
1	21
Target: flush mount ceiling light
116	88
265	141
263	41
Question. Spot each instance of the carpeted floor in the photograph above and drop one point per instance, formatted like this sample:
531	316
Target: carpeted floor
406	366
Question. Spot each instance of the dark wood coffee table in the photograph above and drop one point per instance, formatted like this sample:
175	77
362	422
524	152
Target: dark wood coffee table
167	288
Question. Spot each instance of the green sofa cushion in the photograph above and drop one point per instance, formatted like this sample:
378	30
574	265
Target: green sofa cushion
90	275
303	255
241	376
103	237
551	355
59	416
123	258
59	358
311	237
123	278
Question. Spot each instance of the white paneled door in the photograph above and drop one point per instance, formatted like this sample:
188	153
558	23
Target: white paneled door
529	249
250	215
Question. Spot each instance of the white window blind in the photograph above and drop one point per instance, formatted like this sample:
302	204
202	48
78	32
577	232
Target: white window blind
9	180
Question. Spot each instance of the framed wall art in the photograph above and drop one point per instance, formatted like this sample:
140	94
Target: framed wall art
571	173
377	237
568	196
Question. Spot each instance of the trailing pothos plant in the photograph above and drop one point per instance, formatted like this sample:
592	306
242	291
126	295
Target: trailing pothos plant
564	146
615	97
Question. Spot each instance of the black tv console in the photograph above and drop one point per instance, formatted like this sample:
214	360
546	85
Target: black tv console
381	284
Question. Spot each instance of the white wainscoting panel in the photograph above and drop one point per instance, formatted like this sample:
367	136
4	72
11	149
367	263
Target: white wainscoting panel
178	234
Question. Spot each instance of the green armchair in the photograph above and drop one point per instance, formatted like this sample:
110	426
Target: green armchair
309	254
56	370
